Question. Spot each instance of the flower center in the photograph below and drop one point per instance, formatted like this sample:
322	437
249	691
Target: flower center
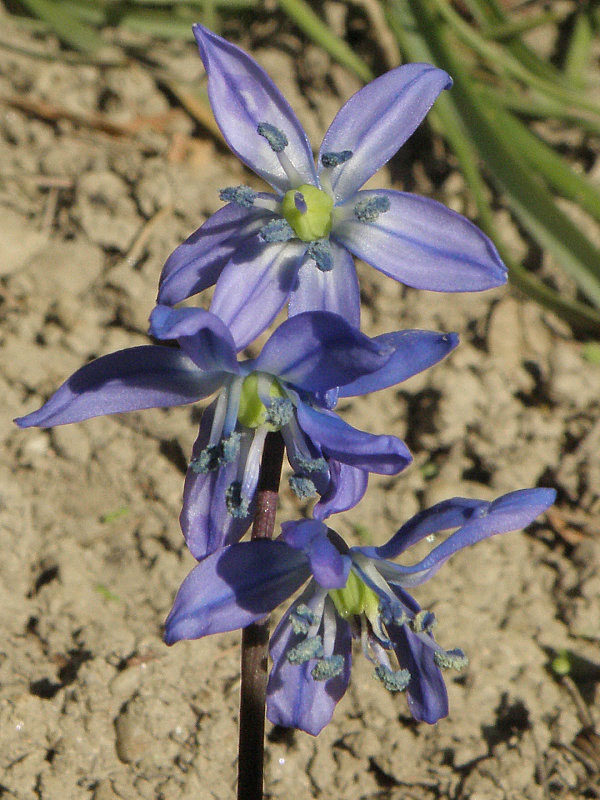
355	598
253	412
308	211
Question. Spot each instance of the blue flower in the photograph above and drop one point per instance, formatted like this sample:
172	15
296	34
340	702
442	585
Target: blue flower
298	369
297	243
351	593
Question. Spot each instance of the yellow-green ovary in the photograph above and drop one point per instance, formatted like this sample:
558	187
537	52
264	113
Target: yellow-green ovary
355	598
252	412
315	223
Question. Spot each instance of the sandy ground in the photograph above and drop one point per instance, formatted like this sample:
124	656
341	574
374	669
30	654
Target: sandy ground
92	703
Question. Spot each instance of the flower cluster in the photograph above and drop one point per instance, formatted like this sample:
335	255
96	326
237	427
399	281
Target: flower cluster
295	246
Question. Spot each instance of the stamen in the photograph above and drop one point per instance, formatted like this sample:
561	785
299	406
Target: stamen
302	486
300	203
307	649
301	618
423	622
277	139
216	456
392	612
279	412
370	208
329	667
320	252
310	464
393	680
237	505
243	196
335	159
277	230
450	659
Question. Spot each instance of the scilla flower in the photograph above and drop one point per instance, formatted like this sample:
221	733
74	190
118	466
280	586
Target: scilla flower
307	357
351	593
298	242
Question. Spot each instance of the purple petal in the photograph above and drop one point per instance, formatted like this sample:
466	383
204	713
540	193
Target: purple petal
385	455
242	96
426	693
204	519
128	380
423	244
318	350
234	587
294	698
508	513
197	263
346	488
377	120
414	352
329	567
255	285
336	290
202	335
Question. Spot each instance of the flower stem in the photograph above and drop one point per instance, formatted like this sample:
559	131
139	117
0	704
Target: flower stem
255	639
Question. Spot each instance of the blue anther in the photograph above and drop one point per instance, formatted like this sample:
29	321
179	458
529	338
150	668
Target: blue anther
335	159
370	208
423	622
229	448
391	612
302	486
237	505
300	203
279	412
277	139
450	659
301	618
216	456
320	252
394	681
329	667
277	230
243	196
311	464
307	649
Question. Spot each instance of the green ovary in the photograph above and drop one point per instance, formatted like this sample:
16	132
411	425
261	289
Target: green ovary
252	412
315	223
355	598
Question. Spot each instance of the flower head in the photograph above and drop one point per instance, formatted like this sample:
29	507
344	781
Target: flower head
284	389
296	243
351	593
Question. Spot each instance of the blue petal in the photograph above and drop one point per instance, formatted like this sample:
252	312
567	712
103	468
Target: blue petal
426	693
385	455
508	513
128	380
255	285
242	97
423	244
329	567
414	352
294	698
346	488
197	263
318	350
336	290
202	335
234	587
377	120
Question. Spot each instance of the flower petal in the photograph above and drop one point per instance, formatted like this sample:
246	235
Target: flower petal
128	380
414	352
242	96
377	120
204	519
255	285
317	350
294	698
202	335
508	513
346	488
385	455
423	244
336	290
234	587
197	263
329	567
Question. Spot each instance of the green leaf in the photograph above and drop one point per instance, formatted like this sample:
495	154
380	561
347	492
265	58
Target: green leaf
66	25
